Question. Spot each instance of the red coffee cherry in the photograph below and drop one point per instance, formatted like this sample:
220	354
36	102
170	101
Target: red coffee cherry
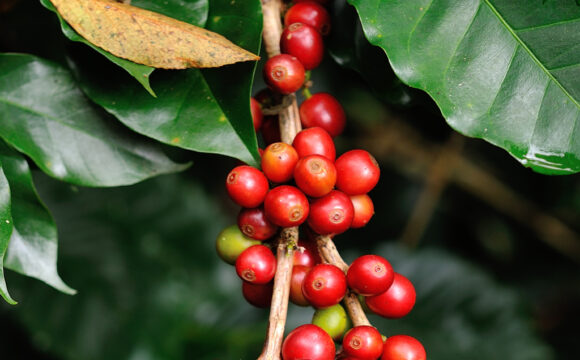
309	13
278	162
257	116
305	255
363	210
324	285
304	42
315	175
314	141
403	347
363	342
331	214
253	223
256	264
357	172
396	302
308	342
247	186
271	129
259	295
370	275
286	206
323	110
296	295
284	73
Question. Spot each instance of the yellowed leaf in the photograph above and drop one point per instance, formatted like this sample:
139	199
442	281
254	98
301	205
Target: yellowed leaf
149	38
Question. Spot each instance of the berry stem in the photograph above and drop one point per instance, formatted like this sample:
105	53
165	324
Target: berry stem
290	125
279	308
329	254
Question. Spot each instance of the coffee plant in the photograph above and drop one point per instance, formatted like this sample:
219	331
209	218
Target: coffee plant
113	94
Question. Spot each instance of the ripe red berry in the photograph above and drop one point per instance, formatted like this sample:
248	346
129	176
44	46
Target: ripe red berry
309	13
331	214
314	141
396	302
259	295
257	116
315	175
357	172
363	210
305	256
253	223
363	342
278	162
271	129
370	275
403	347
324	285
247	186
286	206
296	294
284	73
304	42
308	342
256	264
323	110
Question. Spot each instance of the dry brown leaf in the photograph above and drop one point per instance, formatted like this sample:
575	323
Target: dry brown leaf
149	38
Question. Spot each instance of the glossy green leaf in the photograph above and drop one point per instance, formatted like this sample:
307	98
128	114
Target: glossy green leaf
6	228
32	250
507	71
206	111
45	116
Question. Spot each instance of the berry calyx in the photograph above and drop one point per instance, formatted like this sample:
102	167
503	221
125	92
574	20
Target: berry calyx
314	141
254	224
309	13
247	186
231	242
284	73
363	342
308	342
331	214
370	275
315	175
286	206
304	42
324	285
323	110
396	302
278	162
357	172
256	264
403	347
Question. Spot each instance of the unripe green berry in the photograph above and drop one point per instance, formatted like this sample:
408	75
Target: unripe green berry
333	320
231	242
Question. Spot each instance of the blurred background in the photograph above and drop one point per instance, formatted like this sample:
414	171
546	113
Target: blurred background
492	248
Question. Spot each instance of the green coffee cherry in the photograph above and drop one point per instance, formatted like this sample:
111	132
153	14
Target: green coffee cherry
231	242
333	320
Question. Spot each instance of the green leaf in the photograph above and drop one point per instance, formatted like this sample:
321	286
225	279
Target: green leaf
6	228
507	71
206	111
140	72
32	250
45	116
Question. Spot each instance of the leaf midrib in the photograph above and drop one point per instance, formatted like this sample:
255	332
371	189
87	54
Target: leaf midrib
529	51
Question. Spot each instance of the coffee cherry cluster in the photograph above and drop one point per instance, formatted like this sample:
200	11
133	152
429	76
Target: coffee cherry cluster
305	185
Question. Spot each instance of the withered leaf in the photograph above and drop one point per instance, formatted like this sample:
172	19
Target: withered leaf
149	38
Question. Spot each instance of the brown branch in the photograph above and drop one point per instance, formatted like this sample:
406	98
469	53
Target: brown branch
289	126
330	255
